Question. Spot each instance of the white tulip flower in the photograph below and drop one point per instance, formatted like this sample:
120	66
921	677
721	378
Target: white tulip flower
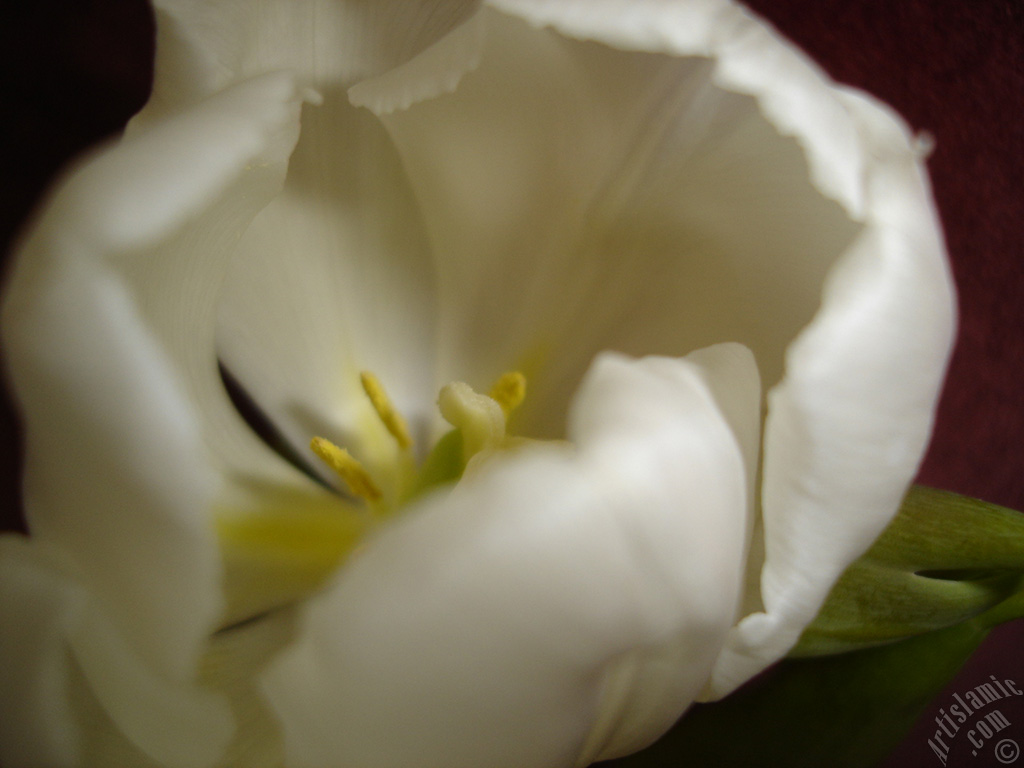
718	275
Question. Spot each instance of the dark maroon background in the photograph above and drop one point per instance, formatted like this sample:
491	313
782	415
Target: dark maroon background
72	71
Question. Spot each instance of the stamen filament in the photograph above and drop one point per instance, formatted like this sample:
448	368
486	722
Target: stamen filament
391	418
347	468
509	391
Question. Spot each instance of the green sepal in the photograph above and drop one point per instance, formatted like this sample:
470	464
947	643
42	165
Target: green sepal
945	558
845	711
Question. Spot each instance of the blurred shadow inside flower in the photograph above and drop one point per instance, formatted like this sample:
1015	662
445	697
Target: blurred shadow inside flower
715	277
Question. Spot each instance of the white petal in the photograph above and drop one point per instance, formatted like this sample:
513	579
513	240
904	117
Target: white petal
108	327
233	665
437	69
721	233
489	625
36	721
334	277
176	723
733	377
750	57
144	188
49	715
731	374
650	685
579	197
205	45
116	474
165	209
848	425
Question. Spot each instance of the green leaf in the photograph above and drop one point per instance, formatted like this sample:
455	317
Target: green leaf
845	711
945	558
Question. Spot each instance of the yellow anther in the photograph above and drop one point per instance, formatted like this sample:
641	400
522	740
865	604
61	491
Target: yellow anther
391	418
347	468
509	391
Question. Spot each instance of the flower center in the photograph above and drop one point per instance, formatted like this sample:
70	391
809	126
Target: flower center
479	423
291	542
